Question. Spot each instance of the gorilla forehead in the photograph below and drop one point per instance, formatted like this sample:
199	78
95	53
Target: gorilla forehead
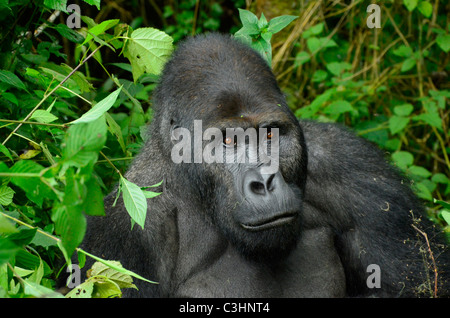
217	74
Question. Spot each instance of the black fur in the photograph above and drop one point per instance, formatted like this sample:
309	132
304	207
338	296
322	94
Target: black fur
350	207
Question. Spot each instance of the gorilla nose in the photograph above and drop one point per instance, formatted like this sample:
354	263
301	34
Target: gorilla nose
256	183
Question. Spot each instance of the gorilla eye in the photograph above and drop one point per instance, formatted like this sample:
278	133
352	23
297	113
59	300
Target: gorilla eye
269	135
228	141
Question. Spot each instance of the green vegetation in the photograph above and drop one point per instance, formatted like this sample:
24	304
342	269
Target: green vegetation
74	103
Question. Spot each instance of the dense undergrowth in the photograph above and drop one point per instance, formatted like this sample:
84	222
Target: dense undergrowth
75	100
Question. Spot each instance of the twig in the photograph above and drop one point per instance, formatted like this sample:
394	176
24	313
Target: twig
432	259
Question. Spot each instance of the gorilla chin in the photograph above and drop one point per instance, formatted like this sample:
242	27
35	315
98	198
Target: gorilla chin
268	240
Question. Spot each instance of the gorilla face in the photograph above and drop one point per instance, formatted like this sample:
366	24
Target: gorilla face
259	204
253	202
254	187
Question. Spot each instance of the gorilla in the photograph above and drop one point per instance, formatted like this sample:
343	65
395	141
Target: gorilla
334	219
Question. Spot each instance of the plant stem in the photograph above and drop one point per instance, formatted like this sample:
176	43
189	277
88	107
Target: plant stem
30	227
32	123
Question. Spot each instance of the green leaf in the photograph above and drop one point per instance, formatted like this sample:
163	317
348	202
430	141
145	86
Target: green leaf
40	291
10	97
338	107
423	192
248	18
264	48
56	4
93	205
313	44
105	288
100	29
116	130
11	79
319	76
425	8
314	30
151	194
397	124
115	266
23	237
301	58
444	204
326	42
245	34
69	34
6	195
403	51
148	50
84	290
432	119
68	217
262	23
403	159
279	23
440	178
311	109
100	108
446	216
410	4
34	188
6	227
27	260
43	240
408	64
43	116
336	68
403	110
419	171
83	141
6	152
122	279
134	200
443	41
93	3
7	250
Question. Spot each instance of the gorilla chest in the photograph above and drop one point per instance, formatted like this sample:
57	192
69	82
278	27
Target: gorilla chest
312	270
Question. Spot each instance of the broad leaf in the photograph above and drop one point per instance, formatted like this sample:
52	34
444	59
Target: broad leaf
84	141
34	188
11	79
279	23
397	124
43	116
100	108
403	159
338	107
100	28
148	50
134	200
410	4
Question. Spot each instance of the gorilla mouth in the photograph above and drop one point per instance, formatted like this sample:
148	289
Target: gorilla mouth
274	221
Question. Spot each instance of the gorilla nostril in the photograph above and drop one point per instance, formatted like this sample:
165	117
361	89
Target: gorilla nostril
257	188
270	185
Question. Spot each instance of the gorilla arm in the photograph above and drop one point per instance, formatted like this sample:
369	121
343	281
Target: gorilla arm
353	189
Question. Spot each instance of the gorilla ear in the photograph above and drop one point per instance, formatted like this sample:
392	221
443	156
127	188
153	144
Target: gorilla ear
174	134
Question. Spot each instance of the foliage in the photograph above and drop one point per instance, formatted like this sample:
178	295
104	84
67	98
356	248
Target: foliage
74	104
257	33
55	182
390	84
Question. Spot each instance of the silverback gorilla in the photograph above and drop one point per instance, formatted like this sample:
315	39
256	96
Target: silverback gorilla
318	226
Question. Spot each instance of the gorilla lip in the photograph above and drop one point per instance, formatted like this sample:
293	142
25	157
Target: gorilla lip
275	221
